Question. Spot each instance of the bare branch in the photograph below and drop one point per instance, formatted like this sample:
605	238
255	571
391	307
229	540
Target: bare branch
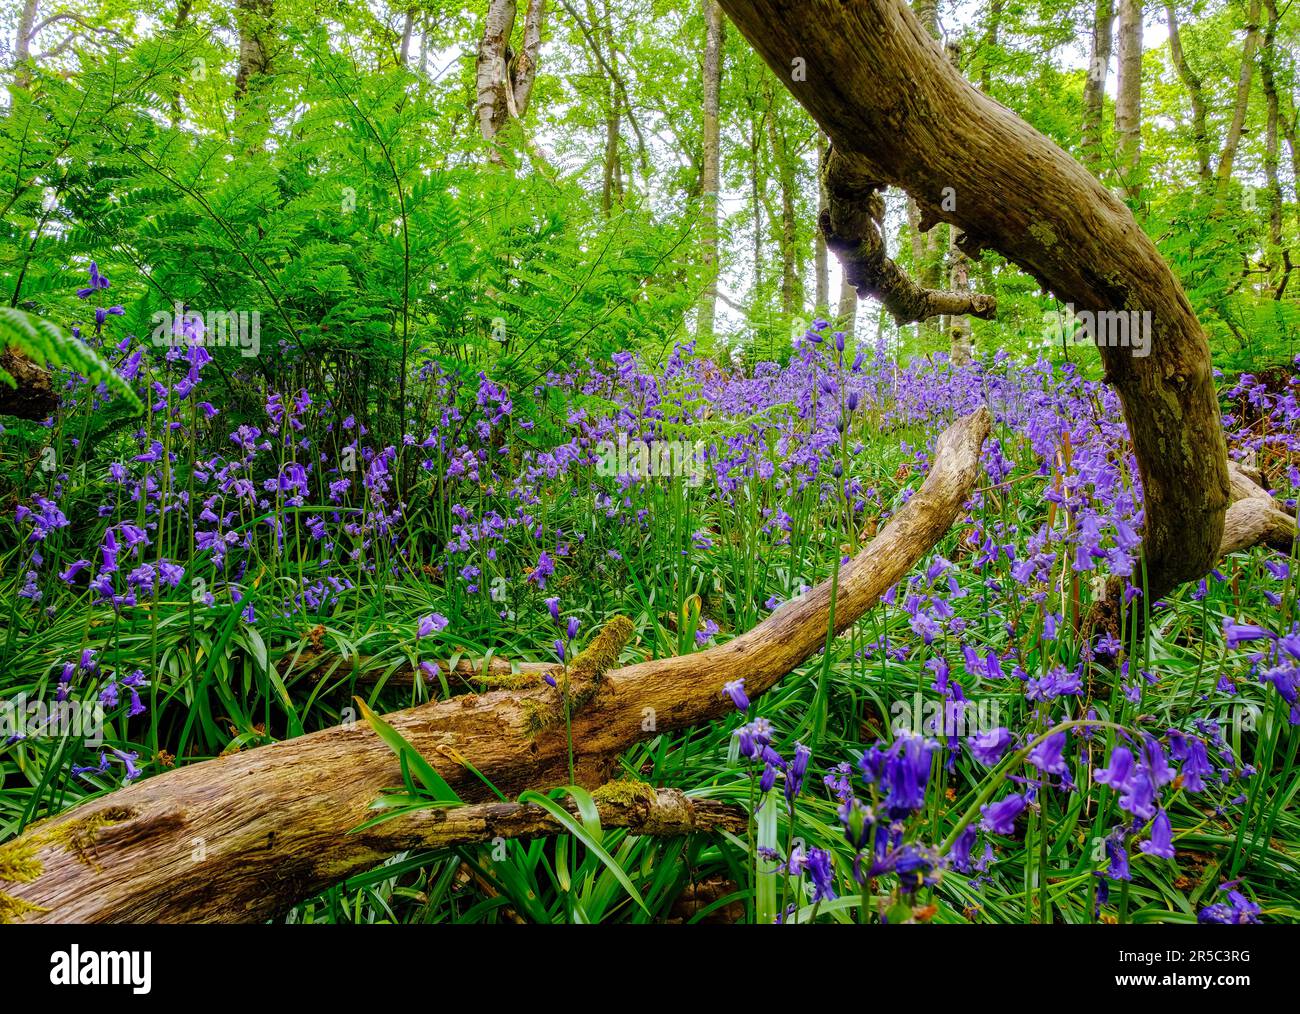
851	223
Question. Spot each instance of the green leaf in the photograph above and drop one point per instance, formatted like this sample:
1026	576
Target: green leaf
581	832
43	341
433	782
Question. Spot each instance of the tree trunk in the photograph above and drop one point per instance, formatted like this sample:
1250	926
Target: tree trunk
709	171
787	238
1290	130
242	837
1094	87
991	40
848	311
959	326
182	19
899	114
524	69
1279	257
253	18
1289	122
821	262
852	224
1233	140
929	265
1128	100
755	195
23	41
408	25
491	74
610	186
1195	91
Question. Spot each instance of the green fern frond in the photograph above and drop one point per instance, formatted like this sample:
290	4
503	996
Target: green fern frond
43	341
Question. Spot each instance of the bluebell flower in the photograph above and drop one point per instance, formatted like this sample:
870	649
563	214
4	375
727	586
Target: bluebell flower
1118	855
904	774
796	771
1119	771
736	691
431	624
959	854
1048	756
1000	817
1239	633
1139	795
1161	844
1237	910
1191	753
858	822
988	747
97	282
821	873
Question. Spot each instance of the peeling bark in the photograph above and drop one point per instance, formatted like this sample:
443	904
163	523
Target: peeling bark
636	806
524	71
504	80
491	75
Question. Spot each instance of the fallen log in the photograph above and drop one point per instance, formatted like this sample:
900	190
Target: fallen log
1254	522
1254	518
242	837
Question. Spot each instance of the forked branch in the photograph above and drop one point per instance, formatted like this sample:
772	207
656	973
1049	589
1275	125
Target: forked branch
852	222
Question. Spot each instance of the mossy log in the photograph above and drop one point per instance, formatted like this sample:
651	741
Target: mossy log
242	837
